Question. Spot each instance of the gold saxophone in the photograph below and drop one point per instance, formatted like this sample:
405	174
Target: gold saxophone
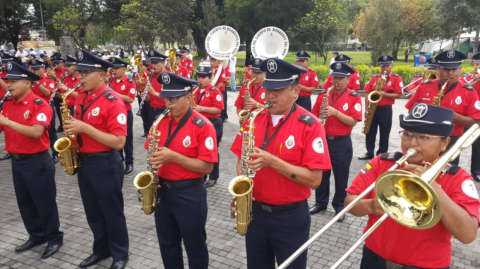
373	98
438	99
67	146
146	181
241	186
322	117
243	114
193	104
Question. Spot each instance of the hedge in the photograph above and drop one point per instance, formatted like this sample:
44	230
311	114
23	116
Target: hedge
365	72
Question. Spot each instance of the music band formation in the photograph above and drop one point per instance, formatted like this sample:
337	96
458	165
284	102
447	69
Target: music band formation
415	200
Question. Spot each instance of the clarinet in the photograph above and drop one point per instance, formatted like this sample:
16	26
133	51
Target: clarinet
139	113
56	89
2	101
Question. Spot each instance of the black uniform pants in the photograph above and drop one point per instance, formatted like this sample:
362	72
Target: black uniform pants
35	189
101	181
182	215
341	154
383	120
153	113
144	114
128	148
52	132
224	114
371	260
305	102
475	165
275	236
57	101
218	124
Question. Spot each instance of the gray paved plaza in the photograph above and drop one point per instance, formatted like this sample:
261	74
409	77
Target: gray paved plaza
226	247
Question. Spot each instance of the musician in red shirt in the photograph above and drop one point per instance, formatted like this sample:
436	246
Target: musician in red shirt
392	245
186	62
70	81
220	84
145	73
254	89
475	160
5	58
353	83
157	105
308	81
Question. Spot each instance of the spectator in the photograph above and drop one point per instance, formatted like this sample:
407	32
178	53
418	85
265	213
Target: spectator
233	65
22	54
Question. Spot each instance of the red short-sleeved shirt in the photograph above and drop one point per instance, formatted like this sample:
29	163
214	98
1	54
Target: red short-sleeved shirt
247	73
416	81
394	84
256	92
348	102
188	64
156	102
107	114
47	83
461	100
196	139
125	86
209	97
183	72
71	82
430	248
353	83
222	78
308	79
30	111
300	142
60	72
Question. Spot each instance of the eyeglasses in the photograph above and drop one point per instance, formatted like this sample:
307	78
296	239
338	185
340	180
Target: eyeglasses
421	138
85	73
172	100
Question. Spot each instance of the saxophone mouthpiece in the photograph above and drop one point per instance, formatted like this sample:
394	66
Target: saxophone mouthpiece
268	105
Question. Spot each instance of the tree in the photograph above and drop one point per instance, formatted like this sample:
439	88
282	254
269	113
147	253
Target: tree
202	19
324	24
249	16
15	20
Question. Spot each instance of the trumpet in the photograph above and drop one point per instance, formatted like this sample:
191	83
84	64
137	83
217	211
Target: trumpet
322	117
428	75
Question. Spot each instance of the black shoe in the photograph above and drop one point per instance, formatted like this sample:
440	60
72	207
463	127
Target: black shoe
60	129
128	169
340	219
119	264
316	209
91	260
365	157
27	246
50	250
144	135
5	157
476	177
207	185
55	159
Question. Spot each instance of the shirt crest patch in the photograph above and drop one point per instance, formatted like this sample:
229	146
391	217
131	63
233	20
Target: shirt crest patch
290	142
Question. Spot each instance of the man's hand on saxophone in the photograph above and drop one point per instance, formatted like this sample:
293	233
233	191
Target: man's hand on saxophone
162	156
75	126
252	103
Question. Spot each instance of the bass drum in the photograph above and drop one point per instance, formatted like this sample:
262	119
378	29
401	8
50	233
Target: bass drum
270	42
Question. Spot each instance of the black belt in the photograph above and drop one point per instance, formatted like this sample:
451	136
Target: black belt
384	106
96	155
302	97
214	119
280	208
179	184
388	264
337	137
27	156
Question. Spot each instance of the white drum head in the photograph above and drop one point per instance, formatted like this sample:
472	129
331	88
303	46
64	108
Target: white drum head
222	42
270	42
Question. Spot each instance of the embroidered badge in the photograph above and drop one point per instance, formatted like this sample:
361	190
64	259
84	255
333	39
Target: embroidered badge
96	111
121	118
318	145
186	141
290	142
209	143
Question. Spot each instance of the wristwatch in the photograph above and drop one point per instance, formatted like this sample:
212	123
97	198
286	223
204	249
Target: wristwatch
303	88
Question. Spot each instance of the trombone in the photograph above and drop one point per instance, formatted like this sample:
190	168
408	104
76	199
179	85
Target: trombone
427	76
407	198
474	80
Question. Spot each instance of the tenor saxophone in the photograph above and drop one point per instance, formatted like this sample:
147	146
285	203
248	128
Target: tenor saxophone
373	98
67	146
243	114
241	186
146	181
322	117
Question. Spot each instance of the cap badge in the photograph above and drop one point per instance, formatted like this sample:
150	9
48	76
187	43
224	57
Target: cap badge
272	66
302	52
338	66
152	53
341	57
166	78
33	61
433	60
9	66
257	61
385	57
79	55
201	68
450	54
420	111
113	59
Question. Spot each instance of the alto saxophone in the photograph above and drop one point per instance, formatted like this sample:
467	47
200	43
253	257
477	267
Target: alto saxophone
241	186
373	98
322	117
67	146
193	103
438	98
146	181
243	114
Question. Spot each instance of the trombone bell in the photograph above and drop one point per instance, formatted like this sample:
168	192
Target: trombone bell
408	200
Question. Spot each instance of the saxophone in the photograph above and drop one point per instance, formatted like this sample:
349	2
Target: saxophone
438	99
67	146
243	114
322	117
241	186
146	181
373	98
193	103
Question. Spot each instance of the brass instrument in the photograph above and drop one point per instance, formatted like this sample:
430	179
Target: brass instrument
322	117
172	59
438	98
67	146
221	43
428	75
243	114
146	181
373	98
409	199
144	96
193	104
475	78
241	186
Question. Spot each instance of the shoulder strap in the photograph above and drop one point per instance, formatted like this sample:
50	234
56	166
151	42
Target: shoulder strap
307	119
199	122
38	101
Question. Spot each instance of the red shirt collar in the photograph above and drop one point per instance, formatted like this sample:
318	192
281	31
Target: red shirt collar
25	100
